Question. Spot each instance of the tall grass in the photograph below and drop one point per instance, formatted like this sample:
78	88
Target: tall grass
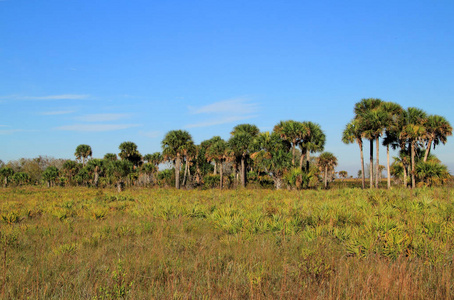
256	244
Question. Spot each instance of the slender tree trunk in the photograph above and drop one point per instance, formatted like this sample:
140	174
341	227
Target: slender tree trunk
119	184
243	173
413	179
429	144
5	182
377	164
371	163
302	160
185	173
177	172
307	160
96	180
221	175
363	176
293	155
405	175
277	182
388	175
215	168
326	177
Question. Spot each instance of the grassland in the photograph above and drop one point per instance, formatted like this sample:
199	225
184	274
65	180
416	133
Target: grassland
67	243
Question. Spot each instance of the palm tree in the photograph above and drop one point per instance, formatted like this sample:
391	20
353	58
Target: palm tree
207	144
83	152
6	173
293	132
326	162
96	166
272	156
50	175
370	125
173	146
437	131
128	151
393	123
413	132
312	143
110	156
119	170
218	152
242	137
352	133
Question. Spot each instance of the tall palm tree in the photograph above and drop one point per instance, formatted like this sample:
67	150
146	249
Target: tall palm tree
352	133
313	142
242	137
293	132
393	124
218	153
207	144
119	170
173	146
83	152
369	127
437	131
96	166
413	132
326	162
6	173
110	156
128	151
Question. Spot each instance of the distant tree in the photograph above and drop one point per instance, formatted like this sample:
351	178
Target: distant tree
50	175
119	170
343	175
219	152
326	162
70	169
242	137
110	157
96	167
293	132
7	174
173	149
83	152
128	151
437	129
21	178
351	134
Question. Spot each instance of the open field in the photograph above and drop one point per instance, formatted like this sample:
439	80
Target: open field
257	244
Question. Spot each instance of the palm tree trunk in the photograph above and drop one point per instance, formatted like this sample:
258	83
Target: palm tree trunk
371	163
215	168
243	173
185	172
413	179
177	172
221	174
377	164
307	160
302	159
96	180
426	155
326	177
405	175
388	175
293	155
363	176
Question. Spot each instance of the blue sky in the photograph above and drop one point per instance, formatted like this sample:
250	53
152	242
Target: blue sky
104	72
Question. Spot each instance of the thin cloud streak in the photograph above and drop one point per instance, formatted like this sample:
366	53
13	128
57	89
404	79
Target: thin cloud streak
233	106
96	127
150	134
102	117
48	98
221	121
59	112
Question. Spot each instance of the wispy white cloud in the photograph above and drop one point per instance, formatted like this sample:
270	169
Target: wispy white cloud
57	112
47	98
150	134
227	111
96	127
57	97
9	131
220	121
231	106
102	117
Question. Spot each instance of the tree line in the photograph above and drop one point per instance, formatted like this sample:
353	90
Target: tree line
281	158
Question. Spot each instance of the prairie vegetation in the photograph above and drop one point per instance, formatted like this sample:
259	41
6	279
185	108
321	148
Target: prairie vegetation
78	242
